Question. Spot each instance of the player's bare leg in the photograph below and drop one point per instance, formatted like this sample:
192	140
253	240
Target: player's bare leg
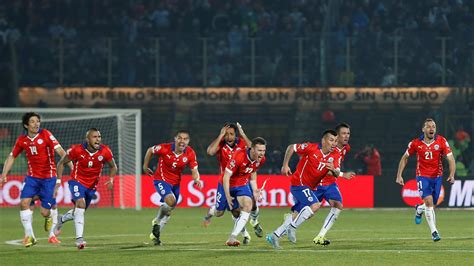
431	217
336	208
26	216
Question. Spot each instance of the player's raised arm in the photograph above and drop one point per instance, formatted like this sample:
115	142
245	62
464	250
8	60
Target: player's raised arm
146	161
285	169
243	135
7	166
452	168
401	166
214	146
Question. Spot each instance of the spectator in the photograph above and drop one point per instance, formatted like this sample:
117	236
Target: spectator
372	160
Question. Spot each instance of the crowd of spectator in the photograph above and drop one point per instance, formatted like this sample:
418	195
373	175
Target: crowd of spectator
114	42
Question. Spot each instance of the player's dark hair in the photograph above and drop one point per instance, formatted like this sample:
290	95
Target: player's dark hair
258	140
26	118
234	126
182	131
329	132
429	119
342	125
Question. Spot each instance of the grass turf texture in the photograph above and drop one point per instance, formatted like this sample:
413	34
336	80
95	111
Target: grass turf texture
358	237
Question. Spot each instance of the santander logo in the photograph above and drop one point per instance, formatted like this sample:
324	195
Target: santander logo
411	196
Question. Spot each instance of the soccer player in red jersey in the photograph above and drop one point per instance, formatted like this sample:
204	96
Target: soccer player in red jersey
39	146
223	146
172	159
235	190
430	149
316	161
328	188
88	159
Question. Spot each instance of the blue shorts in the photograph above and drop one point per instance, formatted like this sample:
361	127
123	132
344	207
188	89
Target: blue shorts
163	188
429	186
303	196
330	192
42	187
79	191
53	202
221	200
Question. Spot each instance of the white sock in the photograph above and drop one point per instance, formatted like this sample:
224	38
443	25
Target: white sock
26	217
430	218
240	223
163	211
302	216
68	216
244	230
163	221
282	229
54	216
79	221
254	215
420	209
330	220
212	211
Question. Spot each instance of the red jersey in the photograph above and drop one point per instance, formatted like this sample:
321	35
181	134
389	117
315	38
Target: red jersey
171	165
88	165
329	179
429	156
312	165
39	153
225	151
241	166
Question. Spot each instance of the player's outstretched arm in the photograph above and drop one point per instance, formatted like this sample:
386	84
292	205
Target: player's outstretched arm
243	135
7	166
214	146
113	172
452	168
146	161
285	169
401	167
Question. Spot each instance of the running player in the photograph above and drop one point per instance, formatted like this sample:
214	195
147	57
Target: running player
39	146
430	149
172	159
88	159
316	161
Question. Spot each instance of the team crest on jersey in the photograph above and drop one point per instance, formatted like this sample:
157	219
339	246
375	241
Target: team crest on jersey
185	159
436	147
100	158
52	138
40	141
331	159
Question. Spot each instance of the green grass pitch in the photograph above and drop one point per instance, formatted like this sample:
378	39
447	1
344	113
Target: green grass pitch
374	237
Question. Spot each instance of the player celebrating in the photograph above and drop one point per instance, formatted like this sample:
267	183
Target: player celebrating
39	146
241	168
88	159
223	146
430	148
172	158
328	188
316	161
